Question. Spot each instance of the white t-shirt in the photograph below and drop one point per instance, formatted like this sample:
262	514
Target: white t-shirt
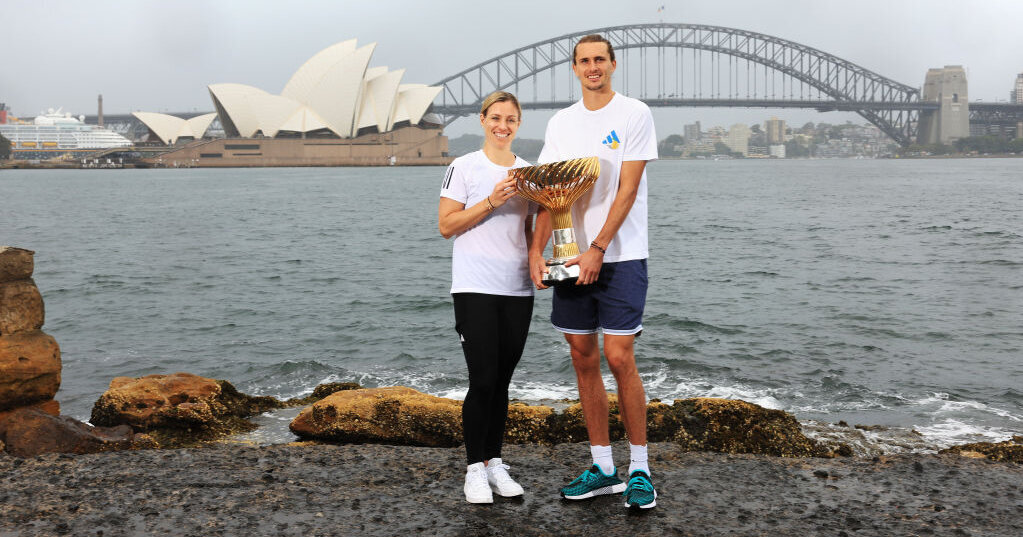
622	130
492	256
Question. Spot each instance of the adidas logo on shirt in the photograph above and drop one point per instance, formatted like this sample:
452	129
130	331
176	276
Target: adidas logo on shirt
612	140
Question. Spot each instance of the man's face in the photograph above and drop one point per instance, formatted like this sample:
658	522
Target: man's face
593	66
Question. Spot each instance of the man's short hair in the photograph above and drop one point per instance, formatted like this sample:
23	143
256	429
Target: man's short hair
594	38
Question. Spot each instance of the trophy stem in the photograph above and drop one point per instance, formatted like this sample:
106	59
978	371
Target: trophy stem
565	246
562	219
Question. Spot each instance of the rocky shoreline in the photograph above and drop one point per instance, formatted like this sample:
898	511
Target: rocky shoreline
360	489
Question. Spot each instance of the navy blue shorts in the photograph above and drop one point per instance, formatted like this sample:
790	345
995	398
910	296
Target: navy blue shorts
614	303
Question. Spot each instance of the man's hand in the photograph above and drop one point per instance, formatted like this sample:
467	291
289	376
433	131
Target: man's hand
537	270
589	263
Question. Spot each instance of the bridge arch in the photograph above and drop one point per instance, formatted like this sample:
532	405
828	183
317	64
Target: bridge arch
839	84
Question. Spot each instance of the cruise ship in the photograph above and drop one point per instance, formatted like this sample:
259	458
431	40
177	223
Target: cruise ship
56	134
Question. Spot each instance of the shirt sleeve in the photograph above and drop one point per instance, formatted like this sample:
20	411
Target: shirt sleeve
642	141
454	186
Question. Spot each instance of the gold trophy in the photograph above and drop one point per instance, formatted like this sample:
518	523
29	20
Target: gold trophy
556	186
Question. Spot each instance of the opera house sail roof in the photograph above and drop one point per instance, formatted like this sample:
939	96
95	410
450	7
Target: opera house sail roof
334	93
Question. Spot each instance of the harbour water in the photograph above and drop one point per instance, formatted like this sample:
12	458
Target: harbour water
872	292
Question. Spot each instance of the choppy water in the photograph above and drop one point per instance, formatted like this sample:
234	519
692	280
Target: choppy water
875	292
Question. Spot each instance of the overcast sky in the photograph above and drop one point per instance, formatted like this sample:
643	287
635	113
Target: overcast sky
160	56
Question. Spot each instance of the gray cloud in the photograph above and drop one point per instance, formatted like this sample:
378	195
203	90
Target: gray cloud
160	56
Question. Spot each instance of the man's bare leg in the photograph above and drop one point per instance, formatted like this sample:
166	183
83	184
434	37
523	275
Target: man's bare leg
592	394
621	359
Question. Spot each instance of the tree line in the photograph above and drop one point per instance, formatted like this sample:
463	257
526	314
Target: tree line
982	145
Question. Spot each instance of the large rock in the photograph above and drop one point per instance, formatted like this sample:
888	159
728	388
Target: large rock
733	426
1008	451
21	307
393	415
15	263
400	415
29	369
178	409
31	431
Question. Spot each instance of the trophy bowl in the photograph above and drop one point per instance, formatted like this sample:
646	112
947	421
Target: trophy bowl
556	186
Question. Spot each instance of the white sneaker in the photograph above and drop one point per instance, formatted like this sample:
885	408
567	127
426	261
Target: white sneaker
477	489
500	482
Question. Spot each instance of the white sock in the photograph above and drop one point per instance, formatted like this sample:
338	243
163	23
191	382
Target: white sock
637	459
602	458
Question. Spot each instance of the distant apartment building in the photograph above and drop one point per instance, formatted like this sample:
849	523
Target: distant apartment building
776	150
692	133
717	134
1016	96
738	138
775	131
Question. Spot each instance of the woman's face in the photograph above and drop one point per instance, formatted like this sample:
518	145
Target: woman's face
500	124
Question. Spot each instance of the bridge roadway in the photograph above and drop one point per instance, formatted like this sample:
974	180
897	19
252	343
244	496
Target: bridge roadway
983	112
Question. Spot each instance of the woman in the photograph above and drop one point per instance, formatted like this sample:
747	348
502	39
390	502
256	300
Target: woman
490	286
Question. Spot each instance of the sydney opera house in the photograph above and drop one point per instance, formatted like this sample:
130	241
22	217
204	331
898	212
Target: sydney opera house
335	110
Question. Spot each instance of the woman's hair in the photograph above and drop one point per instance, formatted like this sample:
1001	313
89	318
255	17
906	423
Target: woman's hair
499	97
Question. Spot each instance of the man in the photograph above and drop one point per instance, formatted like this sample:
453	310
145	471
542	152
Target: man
611	290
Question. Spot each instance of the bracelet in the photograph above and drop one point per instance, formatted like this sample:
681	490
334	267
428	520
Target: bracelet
490	204
597	246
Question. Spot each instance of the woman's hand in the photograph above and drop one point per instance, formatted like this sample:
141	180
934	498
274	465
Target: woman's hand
503	190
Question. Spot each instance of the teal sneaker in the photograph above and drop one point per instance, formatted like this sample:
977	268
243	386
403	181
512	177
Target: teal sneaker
640	492
592	482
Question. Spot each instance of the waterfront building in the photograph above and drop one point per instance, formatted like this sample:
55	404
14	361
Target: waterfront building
776	150
738	138
691	133
1016	96
335	110
775	131
168	129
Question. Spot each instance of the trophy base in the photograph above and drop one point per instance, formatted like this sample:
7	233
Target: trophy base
559	274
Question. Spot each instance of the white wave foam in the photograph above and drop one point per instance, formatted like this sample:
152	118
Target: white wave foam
950	432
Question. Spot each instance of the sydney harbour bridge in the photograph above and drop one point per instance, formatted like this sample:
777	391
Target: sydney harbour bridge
692	65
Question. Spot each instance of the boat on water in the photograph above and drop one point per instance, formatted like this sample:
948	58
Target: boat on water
58	134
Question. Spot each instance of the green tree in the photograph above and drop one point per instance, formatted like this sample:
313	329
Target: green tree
794	149
666	147
720	148
5	148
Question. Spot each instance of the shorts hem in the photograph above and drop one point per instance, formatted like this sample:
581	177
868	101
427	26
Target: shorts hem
575	331
630	332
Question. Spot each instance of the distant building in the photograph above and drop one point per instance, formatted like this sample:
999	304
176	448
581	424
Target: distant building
776	150
335	110
775	131
3	114
692	133
715	134
738	139
169	129
1017	93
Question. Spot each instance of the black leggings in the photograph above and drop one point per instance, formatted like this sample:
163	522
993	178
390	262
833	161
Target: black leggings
493	331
